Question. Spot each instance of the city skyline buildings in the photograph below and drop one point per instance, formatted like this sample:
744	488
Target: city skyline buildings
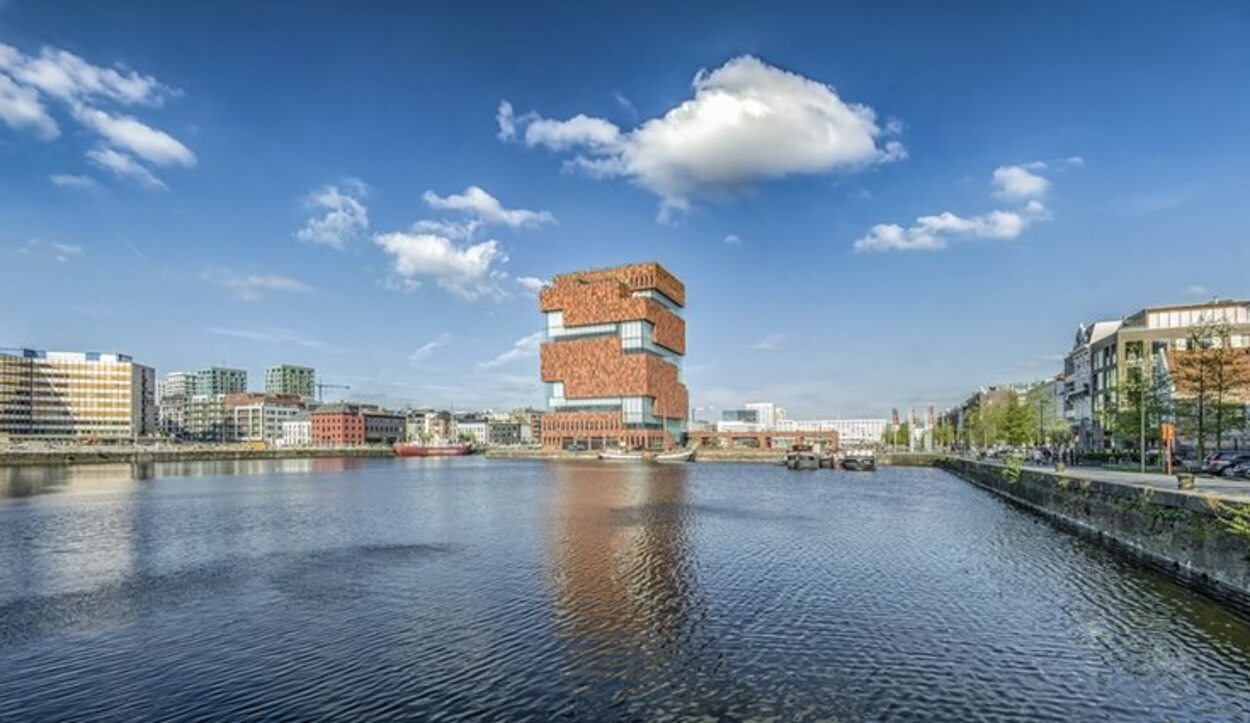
967	233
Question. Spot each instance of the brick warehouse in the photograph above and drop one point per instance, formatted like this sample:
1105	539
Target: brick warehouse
612	359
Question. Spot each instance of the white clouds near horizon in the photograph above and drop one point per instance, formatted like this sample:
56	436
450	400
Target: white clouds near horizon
747	121
252	287
936	232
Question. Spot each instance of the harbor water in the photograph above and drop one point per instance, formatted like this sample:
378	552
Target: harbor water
527	589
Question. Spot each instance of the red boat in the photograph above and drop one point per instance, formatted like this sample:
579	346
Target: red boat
419	449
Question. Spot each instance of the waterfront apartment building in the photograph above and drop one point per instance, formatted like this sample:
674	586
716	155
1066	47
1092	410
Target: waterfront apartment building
345	425
214	381
296	433
288	379
1094	366
851	432
61	396
258	417
612	359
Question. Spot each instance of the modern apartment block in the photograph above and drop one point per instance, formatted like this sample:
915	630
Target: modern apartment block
612	359
1092	369
259	417
215	381
290	379
75	396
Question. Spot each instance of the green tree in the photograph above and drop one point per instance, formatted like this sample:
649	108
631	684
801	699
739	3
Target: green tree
1018	427
1212	377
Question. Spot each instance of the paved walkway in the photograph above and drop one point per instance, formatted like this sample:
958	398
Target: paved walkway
1204	485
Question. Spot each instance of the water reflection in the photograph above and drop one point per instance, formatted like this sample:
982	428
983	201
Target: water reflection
27	481
623	574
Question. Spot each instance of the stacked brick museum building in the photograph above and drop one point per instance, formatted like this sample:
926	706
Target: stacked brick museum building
612	359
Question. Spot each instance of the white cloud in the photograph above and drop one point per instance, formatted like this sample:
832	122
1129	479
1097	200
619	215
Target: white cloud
772	342
81	88
1199	291
21	108
747	121
487	209
732	240
1074	161
934	233
1017	183
252	287
466	271
526	346
64	252
129	134
532	284
342	215
430	346
63	75
123	166
277	336
65	180
507	123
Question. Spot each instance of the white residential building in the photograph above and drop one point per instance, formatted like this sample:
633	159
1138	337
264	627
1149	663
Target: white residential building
296	433
262	421
850	431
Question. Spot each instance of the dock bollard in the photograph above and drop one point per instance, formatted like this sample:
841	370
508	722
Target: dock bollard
1185	481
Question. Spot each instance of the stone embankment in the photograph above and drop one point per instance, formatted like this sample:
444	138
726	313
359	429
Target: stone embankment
189	453
1200	539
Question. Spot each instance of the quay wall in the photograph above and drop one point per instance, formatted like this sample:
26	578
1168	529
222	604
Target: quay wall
1184	535
140	455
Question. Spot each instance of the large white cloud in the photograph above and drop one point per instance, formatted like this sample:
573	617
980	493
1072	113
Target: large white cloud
468	271
937	232
747	121
82	89
341	215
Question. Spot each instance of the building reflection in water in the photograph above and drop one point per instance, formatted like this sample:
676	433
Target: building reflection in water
27	481
621	568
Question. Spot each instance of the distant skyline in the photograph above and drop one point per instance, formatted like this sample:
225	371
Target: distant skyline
872	205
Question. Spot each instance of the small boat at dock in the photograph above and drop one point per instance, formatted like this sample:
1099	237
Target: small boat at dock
859	460
802	456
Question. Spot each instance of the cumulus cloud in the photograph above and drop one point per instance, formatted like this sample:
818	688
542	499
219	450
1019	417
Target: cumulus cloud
467	271
341	215
486	209
531	284
747	121
1016	183
252	287
936	232
82	89
66	180
526	346
430	347
123	166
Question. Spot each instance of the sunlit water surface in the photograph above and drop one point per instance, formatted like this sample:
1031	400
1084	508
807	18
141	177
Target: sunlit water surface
469	588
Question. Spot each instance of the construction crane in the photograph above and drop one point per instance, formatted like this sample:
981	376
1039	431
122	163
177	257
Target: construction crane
322	387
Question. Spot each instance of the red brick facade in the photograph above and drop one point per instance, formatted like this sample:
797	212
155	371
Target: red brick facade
598	367
339	428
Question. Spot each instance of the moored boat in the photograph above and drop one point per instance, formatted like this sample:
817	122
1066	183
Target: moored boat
675	456
859	460
421	449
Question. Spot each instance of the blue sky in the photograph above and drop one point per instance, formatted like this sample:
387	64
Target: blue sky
872	205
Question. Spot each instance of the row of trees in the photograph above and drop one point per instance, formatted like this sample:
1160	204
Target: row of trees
1015	420
1204	393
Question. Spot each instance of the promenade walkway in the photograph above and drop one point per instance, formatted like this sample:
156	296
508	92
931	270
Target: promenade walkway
1232	489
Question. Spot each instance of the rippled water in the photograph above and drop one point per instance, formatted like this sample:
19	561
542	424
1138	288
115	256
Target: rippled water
510	590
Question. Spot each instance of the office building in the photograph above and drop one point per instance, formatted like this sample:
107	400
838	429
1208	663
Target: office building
1101	351
612	359
288	379
348	424
75	396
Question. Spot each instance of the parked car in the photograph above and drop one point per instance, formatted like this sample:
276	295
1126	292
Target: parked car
1217	462
1232	463
1240	469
